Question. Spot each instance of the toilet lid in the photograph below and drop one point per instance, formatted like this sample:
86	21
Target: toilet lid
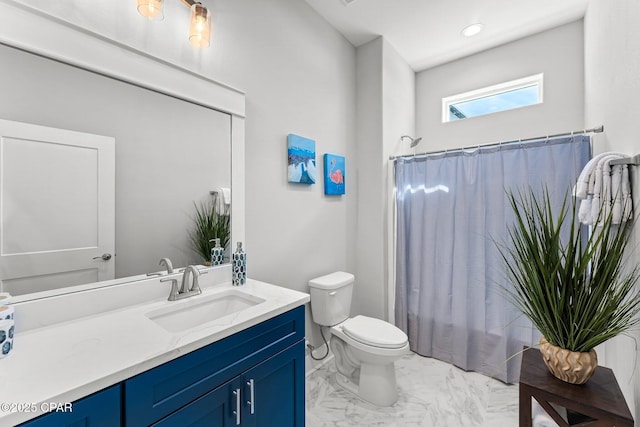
374	332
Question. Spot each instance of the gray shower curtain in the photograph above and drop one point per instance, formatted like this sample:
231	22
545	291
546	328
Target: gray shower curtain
451	211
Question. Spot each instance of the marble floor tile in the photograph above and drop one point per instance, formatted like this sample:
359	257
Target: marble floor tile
431	393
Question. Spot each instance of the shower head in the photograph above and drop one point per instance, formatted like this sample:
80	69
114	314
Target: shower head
412	142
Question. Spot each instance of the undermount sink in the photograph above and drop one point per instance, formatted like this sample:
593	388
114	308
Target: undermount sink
191	313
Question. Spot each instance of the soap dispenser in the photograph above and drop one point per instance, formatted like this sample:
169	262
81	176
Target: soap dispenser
217	252
239	266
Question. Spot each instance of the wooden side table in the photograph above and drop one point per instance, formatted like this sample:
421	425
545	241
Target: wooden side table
599	400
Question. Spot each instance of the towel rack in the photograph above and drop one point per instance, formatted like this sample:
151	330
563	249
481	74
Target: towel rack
635	161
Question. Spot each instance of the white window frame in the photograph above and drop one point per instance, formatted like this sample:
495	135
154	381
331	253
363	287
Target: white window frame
536	79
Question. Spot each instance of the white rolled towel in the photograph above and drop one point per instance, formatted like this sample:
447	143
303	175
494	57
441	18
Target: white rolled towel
627	202
223	198
582	186
226	195
601	202
616	194
584	213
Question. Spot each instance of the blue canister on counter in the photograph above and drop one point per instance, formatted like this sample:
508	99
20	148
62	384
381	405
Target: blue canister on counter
239	266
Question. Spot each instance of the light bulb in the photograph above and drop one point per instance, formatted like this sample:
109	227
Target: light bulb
151	9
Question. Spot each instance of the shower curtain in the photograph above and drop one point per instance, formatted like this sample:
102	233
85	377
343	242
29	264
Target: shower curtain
451	212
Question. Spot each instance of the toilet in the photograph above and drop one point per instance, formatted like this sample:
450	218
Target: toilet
364	348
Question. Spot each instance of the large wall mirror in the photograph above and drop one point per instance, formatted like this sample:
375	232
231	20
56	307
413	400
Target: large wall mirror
171	151
169	154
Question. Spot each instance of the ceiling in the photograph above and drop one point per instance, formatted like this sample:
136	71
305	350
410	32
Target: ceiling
427	33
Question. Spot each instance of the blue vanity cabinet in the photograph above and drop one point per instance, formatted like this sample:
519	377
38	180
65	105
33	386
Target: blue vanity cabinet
270	394
253	378
198	388
101	409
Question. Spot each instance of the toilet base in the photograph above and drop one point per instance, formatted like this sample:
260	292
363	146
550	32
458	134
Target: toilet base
376	384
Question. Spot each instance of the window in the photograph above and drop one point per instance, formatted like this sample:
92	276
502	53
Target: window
500	97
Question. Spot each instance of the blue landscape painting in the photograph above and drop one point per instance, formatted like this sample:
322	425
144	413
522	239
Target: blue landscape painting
301	167
334	174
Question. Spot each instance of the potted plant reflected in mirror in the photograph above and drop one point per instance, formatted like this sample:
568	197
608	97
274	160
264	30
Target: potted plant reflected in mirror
210	222
573	287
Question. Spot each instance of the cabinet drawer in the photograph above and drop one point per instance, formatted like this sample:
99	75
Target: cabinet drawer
101	409
154	394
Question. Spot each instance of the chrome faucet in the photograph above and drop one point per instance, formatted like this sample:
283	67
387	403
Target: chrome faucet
189	287
167	263
185	280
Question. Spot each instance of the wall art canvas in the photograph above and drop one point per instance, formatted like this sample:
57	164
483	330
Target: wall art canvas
334	174
301	166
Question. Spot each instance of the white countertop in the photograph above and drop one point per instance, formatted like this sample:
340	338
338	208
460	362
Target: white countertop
67	361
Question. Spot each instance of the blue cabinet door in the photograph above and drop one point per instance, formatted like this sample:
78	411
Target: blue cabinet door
214	409
278	390
101	409
269	395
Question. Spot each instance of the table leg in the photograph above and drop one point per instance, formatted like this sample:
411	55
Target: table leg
525	406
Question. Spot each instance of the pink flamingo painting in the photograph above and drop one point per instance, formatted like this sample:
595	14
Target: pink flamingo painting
334	174
336	177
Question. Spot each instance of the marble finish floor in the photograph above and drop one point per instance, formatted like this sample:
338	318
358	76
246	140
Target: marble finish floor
431	394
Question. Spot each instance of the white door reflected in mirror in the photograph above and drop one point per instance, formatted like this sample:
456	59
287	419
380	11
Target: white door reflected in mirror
57	212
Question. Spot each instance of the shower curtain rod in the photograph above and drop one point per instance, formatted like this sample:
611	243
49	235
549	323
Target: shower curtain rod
598	129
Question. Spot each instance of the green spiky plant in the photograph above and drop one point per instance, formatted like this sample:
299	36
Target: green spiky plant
208	224
578	294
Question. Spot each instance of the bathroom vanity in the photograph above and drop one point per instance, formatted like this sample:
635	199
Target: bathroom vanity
125	367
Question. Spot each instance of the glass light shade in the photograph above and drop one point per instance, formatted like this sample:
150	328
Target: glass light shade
200	29
151	9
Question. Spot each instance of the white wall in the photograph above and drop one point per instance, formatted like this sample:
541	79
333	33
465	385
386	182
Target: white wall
385	111
612	90
558	53
368	295
399	109
299	76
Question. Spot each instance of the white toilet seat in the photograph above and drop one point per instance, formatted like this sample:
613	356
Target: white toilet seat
374	332
339	332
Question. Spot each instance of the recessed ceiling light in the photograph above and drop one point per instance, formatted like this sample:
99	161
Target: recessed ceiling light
472	30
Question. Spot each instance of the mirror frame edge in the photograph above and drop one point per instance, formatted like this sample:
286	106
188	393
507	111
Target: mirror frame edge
115	60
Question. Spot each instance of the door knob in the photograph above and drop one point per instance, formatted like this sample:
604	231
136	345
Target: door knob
104	257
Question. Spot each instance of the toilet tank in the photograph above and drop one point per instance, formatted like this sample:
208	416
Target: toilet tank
331	298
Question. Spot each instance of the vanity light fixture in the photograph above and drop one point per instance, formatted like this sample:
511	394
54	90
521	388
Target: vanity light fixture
200	27
473	29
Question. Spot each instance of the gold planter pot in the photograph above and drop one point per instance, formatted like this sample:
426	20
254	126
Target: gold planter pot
570	366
